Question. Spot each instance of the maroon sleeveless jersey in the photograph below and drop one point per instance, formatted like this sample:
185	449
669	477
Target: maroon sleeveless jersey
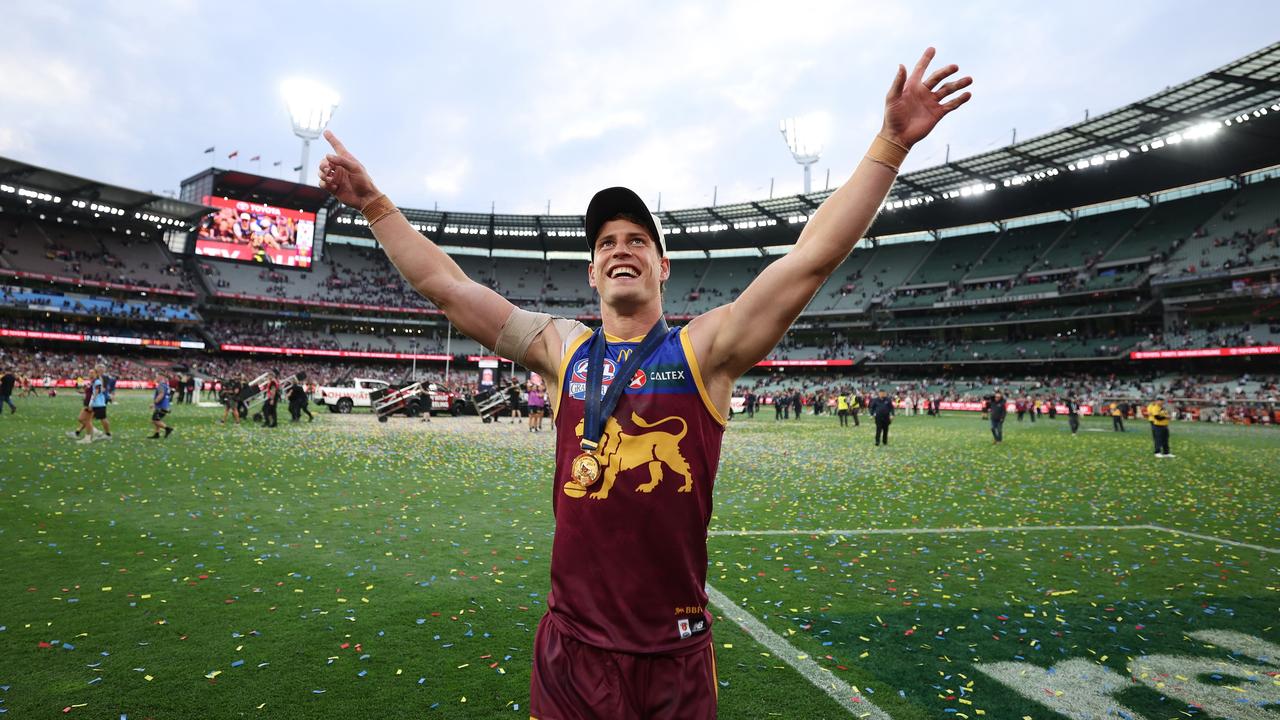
629	559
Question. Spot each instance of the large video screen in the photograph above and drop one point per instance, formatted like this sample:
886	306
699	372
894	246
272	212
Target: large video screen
252	232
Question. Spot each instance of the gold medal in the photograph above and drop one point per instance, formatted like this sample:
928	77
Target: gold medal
585	469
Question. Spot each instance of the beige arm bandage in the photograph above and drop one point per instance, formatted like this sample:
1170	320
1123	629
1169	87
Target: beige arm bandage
519	332
887	152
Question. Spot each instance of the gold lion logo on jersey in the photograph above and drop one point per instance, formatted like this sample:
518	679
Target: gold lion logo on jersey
620	452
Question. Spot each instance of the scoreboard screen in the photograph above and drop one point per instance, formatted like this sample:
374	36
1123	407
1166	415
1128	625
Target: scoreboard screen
253	232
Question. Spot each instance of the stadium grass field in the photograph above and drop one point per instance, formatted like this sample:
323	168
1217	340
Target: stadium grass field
347	568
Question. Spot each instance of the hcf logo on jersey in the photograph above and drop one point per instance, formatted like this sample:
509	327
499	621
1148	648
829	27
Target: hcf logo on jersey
578	378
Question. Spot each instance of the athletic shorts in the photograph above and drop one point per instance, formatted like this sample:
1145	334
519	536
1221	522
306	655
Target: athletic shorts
157	415
575	681
99	413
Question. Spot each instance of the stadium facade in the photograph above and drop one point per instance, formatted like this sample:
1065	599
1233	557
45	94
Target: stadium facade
1141	242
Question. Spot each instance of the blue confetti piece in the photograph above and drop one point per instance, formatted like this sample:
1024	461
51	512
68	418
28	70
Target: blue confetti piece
237	663
362	673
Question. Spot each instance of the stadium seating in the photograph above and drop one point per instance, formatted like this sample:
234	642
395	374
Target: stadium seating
952	258
1166	224
1015	251
65	250
720	283
1241	233
1069	348
869	274
22	298
1086	241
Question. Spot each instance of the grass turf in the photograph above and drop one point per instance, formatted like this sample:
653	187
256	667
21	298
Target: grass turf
346	567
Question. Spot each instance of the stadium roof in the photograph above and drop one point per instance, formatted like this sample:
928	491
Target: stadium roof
40	186
1136	149
1241	86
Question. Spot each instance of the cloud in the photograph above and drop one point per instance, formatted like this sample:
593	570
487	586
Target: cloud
447	179
13	141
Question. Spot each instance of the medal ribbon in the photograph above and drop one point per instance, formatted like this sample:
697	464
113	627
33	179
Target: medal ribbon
599	409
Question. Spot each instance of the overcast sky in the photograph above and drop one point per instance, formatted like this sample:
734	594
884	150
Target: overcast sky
463	104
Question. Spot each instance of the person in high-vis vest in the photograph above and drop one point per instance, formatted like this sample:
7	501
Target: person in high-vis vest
842	409
1158	416
1117	418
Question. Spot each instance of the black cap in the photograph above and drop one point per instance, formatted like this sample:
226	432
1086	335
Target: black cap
611	202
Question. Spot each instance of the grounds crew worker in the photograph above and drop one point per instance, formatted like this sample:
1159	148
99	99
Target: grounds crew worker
610	645
1158	415
1117	417
842	409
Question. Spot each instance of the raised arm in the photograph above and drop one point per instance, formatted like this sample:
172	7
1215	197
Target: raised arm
732	338
477	311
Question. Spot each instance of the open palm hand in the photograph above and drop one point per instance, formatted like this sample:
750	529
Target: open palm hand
915	104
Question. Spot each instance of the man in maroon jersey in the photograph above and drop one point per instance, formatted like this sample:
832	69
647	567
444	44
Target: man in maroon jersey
639	413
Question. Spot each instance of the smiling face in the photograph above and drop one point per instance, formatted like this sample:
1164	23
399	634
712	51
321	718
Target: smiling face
626	267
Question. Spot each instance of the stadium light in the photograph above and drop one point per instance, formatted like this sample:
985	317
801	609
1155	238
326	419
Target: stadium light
805	137
310	107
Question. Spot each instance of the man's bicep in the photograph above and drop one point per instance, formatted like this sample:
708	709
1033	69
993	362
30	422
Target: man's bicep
476	311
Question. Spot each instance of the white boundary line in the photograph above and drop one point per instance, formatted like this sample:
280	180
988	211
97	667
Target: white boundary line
982	529
824	679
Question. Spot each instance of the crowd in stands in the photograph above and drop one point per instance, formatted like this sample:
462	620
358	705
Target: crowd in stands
1076	346
1241	248
1203	397
81	254
1184	335
44	365
181	333
284	334
75	304
365	277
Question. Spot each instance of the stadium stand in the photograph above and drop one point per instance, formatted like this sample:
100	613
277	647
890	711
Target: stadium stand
1242	233
1086	241
1015	251
1055	262
952	258
77	254
49	301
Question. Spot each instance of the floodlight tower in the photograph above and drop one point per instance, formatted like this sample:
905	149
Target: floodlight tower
799	135
310	106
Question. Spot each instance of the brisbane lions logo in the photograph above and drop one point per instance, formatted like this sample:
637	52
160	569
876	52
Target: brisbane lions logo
620	452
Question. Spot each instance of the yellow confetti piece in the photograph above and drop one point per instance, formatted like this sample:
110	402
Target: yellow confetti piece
148	678
106	588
